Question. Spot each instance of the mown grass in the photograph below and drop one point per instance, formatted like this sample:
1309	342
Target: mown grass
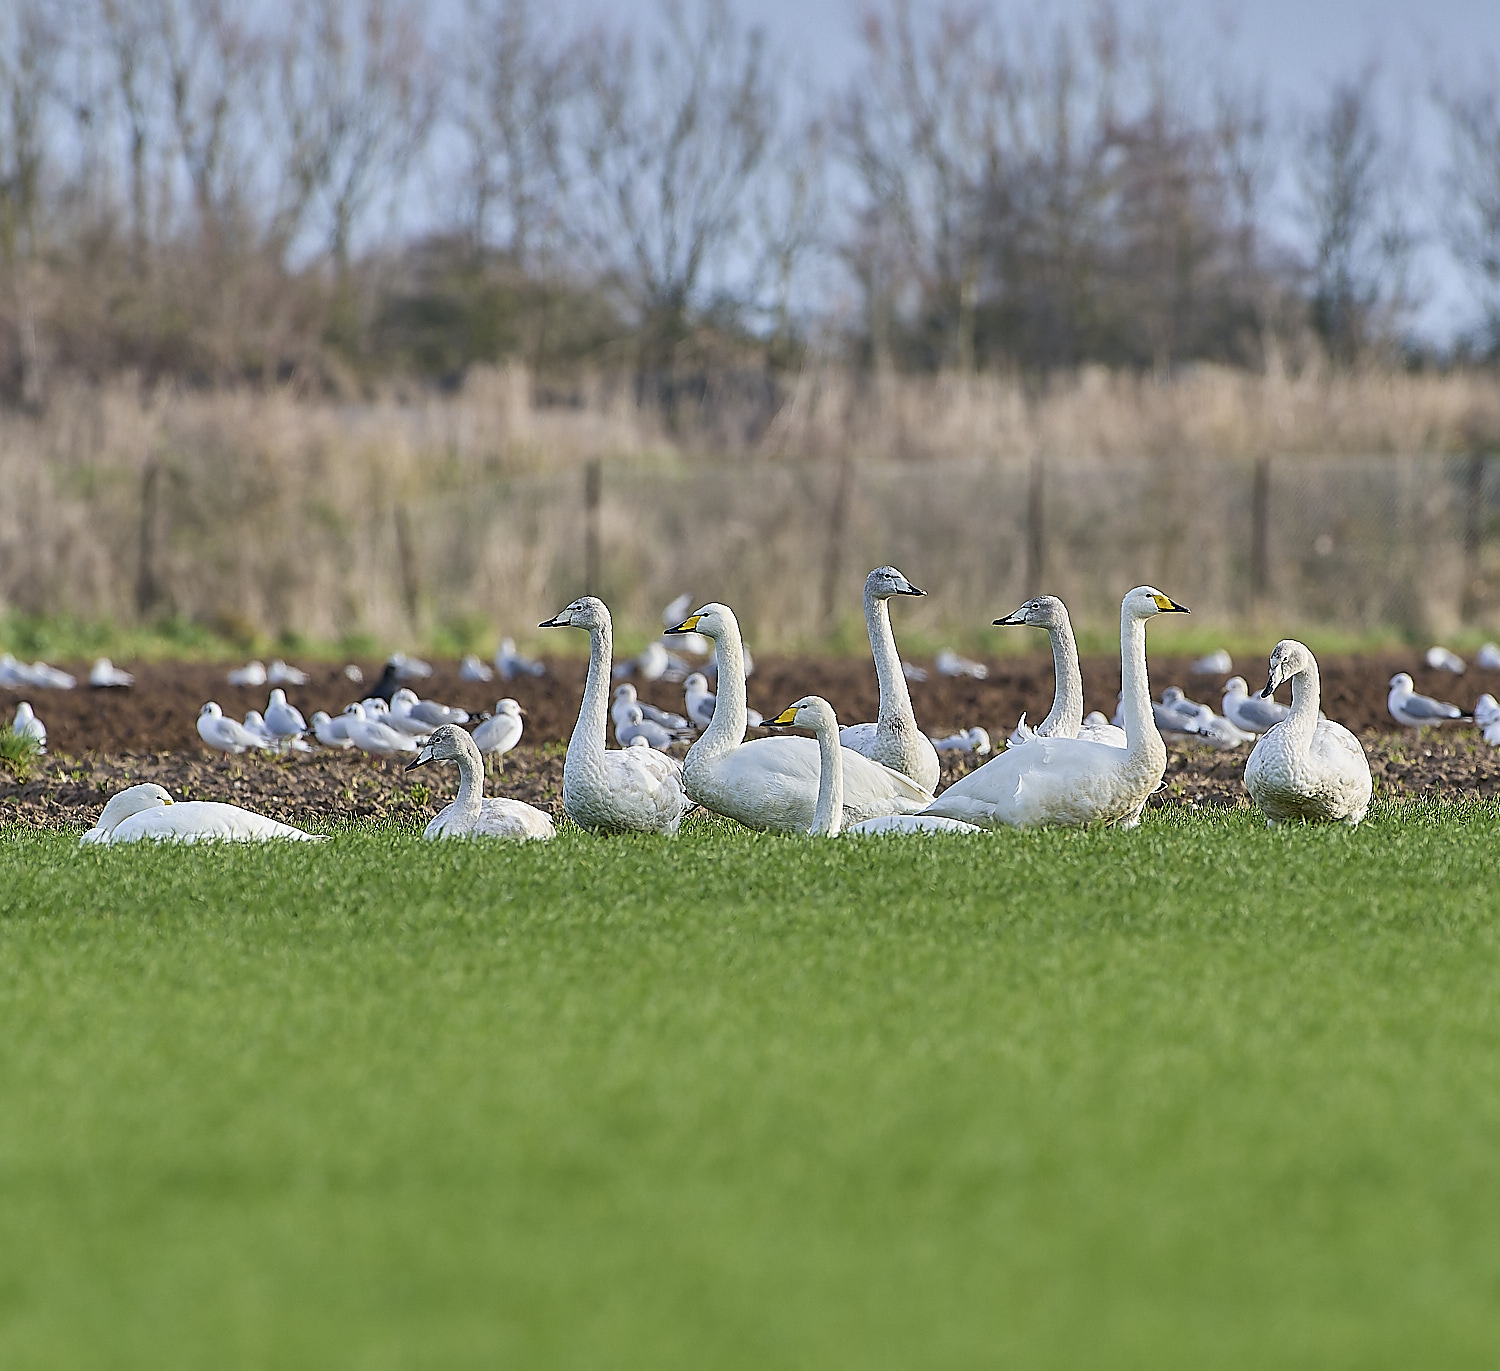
1201	1095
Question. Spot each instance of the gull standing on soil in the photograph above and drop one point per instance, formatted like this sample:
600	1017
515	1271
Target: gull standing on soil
331	732
636	725
1306	766
251	674
472	669
374	736
27	725
255	726
283	721
222	734
510	663
974	740
279	673
894	740
1487	716
397	715
1442	659
105	675
471	815
949	663
429	712
500	732
625	696
1249	712
700	703
148	813
1418	711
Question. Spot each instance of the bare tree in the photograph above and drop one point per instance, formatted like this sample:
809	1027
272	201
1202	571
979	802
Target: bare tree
128	32
1474	185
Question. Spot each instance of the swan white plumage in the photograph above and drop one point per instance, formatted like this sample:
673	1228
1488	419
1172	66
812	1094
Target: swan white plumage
471	815
148	813
1065	720
816	713
894	740
633	790
772	783
1306	767
1075	780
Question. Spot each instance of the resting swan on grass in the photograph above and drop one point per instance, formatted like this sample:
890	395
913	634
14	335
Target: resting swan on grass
148	813
816	713
894	740
471	815
1306	767
1073	780
772	783
1066	718
634	790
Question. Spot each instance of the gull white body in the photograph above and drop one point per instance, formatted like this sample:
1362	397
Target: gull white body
471	815
1065	719
221	734
147	813
625	696
1306	767
1064	781
405	704
27	725
255	726
949	663
105	675
635	725
974	740
1250	713
700	701
1417	711
279	673
633	790
331	732
472	669
251	674
510	663
894	740
772	783
1445	659
284	721
374	736
1487	716
501	731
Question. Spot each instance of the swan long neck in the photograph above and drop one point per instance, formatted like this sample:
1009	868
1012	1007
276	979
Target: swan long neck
1140	722
895	699
726	731
1307	690
828	816
593	713
470	779
1067	701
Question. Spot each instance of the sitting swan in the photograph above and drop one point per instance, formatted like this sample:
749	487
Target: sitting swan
471	815
828	818
1075	780
1306	767
895	740
147	812
1066	718
772	783
634	790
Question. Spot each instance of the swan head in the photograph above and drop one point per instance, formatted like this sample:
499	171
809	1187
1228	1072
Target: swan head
1401	681
712	621
1146	601
1045	611
1288	658
588	611
506	706
811	711
131	801
886	581
447	744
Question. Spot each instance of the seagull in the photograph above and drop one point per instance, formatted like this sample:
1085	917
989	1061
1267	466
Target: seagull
396	717
27	725
105	675
700	703
1418	711
1441	659
501	731
255	726
353	673
375	736
409	668
913	673
283	721
1175	713
974	740
279	673
251	674
1217	731
50	678
1216	663
949	663
1488	657
636	725
1487	716
1250	712
405	701
510	664
221	734
625	696
331	732
472	669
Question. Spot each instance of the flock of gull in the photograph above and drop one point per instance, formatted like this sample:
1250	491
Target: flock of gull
879	777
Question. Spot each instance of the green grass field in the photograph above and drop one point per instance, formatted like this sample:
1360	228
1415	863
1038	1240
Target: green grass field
1198	1096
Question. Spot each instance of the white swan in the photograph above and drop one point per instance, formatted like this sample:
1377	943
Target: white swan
772	783
894	740
1076	780
1306	767
634	790
1065	720
471	815
148	813
816	713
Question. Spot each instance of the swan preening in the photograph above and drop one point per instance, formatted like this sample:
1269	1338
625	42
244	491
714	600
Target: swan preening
147	813
1305	766
471	815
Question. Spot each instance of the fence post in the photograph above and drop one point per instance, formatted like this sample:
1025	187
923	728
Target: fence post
593	483
1260	530
1036	534
1473	526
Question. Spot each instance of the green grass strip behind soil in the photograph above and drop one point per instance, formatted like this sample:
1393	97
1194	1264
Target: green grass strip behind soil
1200	1095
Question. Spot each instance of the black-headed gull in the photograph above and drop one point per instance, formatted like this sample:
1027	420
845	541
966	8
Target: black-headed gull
472	669
105	675
283	721
251	674
331	732
429	712
1418	711
1443	659
949	663
222	734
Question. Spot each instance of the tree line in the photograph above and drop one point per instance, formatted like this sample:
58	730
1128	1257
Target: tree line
330	191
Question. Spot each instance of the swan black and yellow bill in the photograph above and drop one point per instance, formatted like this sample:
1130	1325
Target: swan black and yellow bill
688	625
1168	605
787	716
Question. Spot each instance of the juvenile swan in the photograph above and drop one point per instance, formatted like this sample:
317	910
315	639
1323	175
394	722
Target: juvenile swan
816	713
894	740
1066	717
1306	767
1075	780
471	815
148	812
772	783
634	790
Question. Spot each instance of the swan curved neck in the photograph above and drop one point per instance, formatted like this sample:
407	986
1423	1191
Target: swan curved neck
1067	701
593	713
895	698
1140	722
828	816
470	781
726	730
1307	690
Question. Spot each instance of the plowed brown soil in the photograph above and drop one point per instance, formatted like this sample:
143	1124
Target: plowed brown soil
103	740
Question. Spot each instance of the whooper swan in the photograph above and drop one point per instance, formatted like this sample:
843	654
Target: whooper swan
634	790
1306	767
148	813
471	815
1075	780
1066	717
772	783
